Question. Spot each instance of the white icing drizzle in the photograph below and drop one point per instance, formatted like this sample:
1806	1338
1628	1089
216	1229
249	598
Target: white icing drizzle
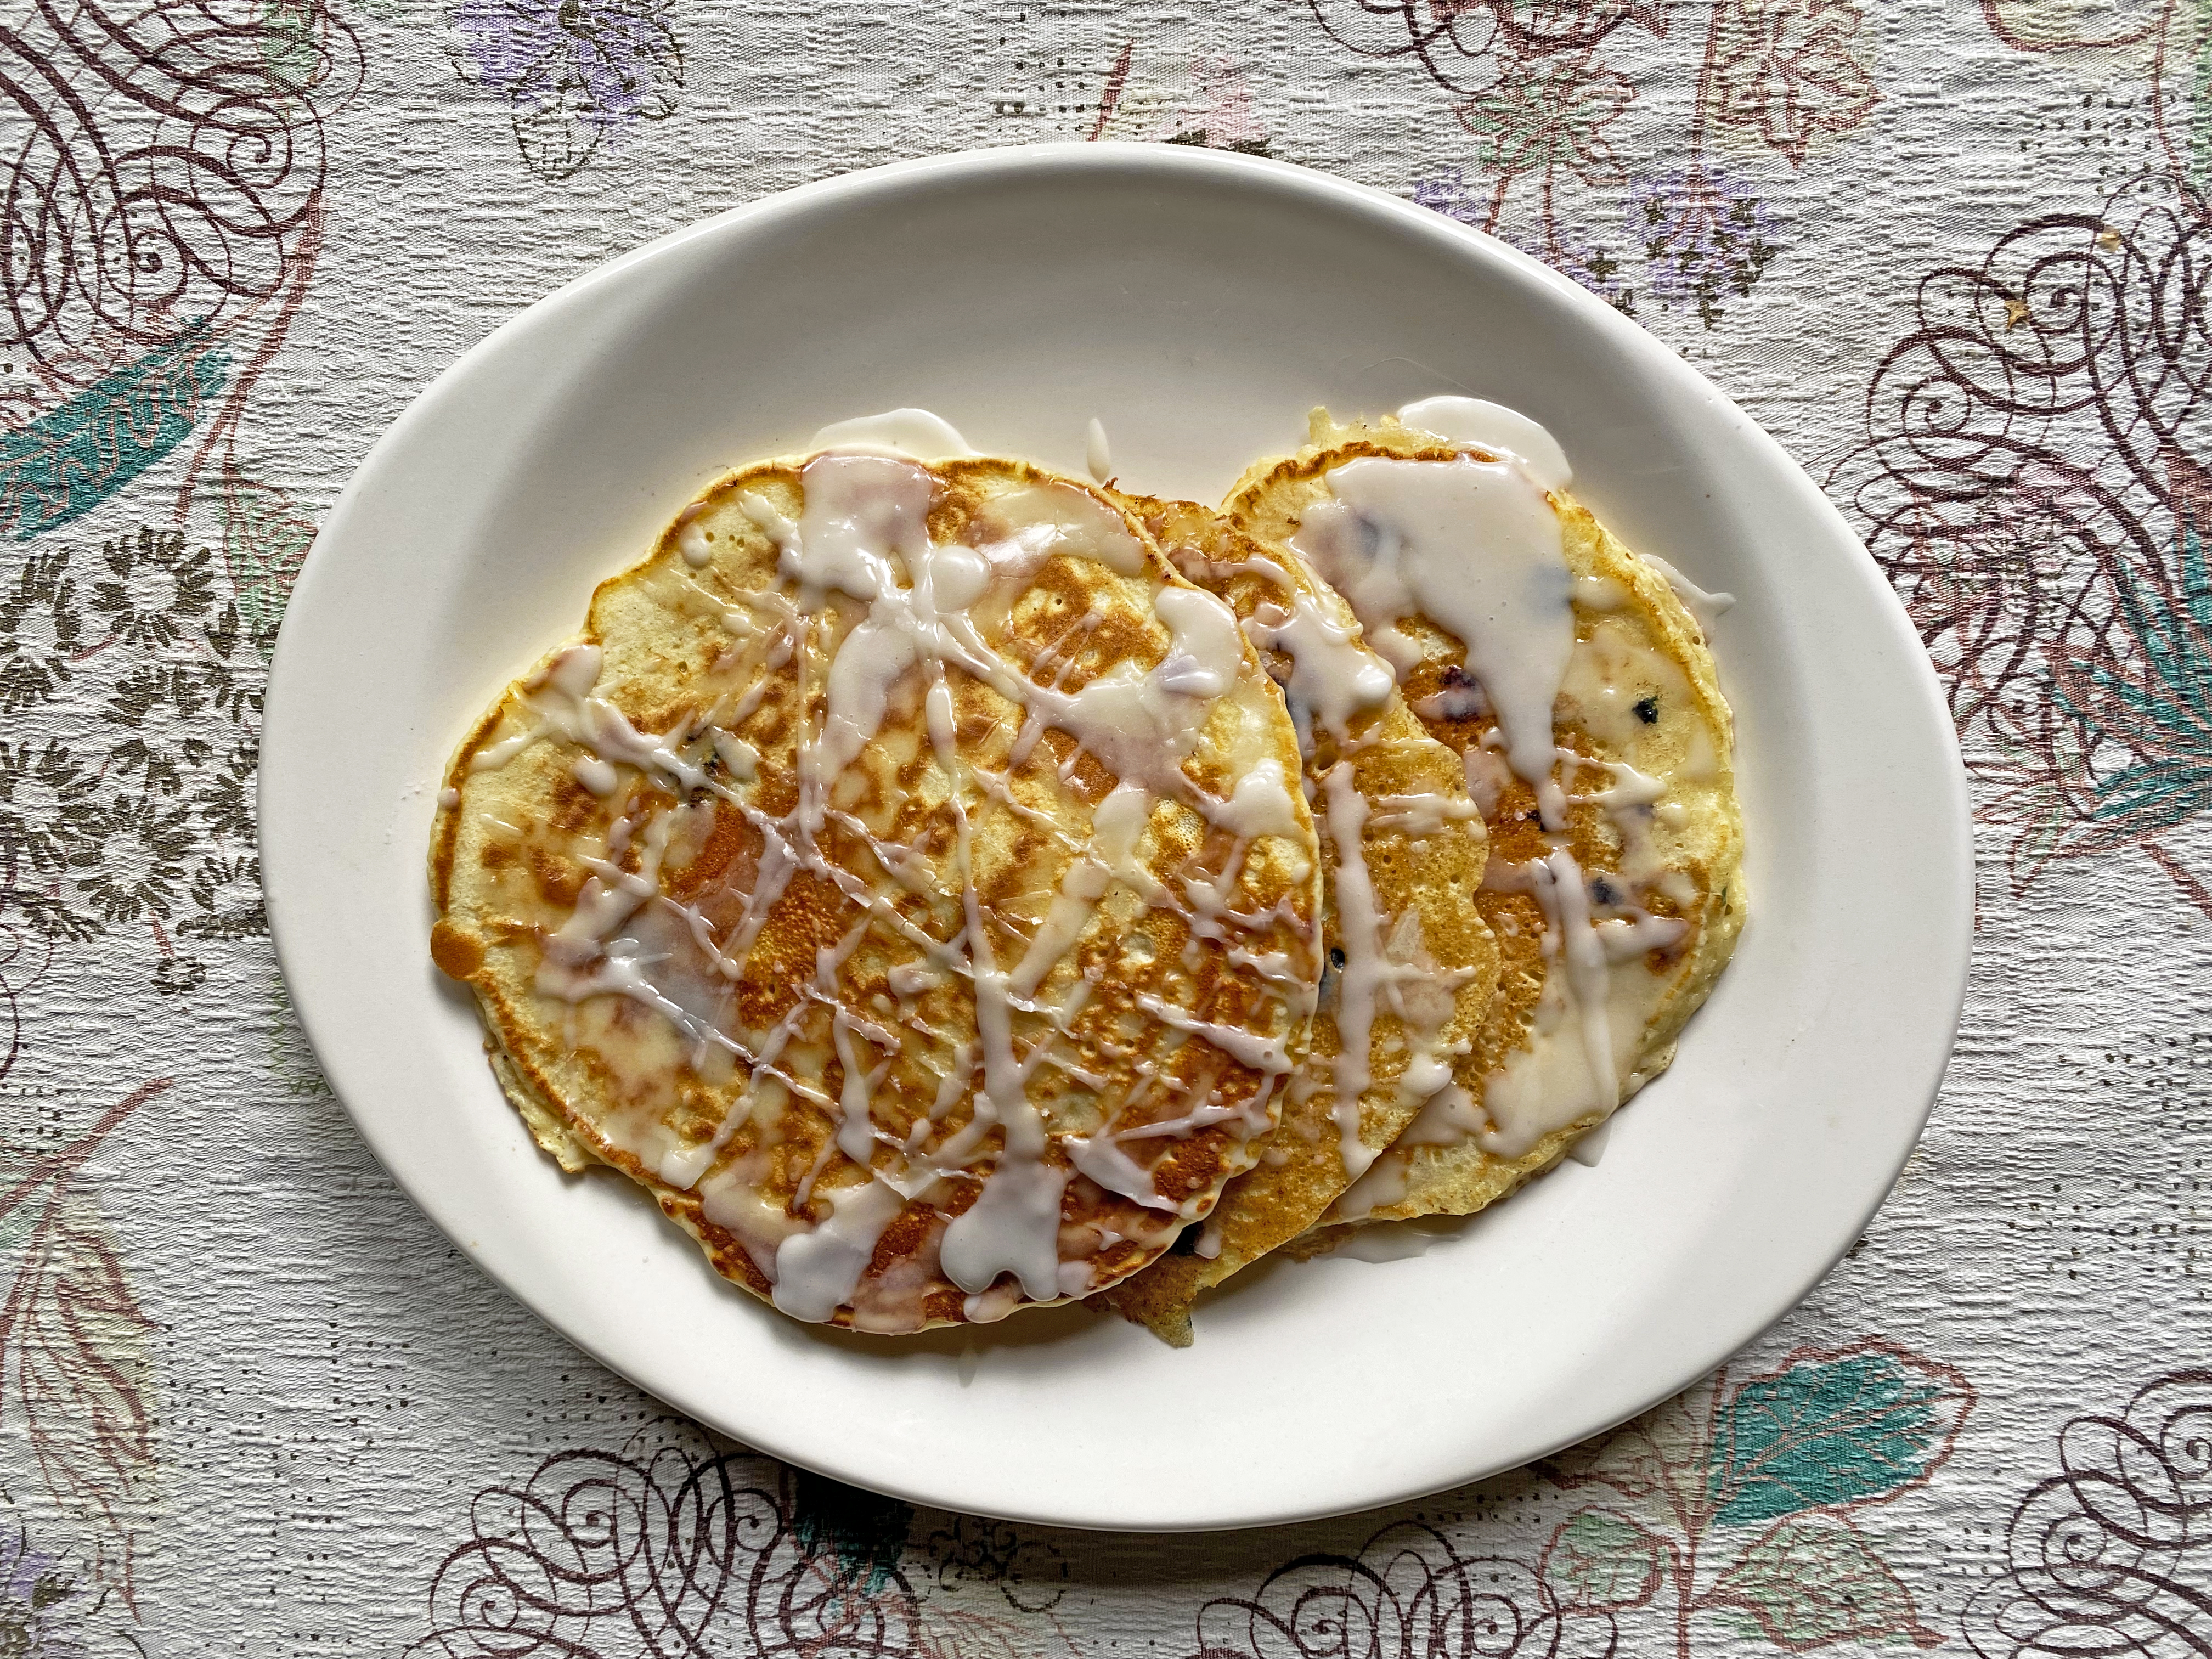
1360	977
1492	428
1260	804
1333	677
1376	969
816	1271
695	542
1097	456
1476	547
914	432
1425	813
864	525
1382	1185
1707	608
1589	1147
1590	1019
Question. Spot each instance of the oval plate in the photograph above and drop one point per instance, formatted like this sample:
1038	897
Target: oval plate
1198	304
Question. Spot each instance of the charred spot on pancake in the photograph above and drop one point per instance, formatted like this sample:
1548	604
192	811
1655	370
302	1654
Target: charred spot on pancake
908	1231
975	725
724	1249
1054	597
777	792
767	726
574	806
810	917
557	884
1604	893
953	510
457	953
1091	776
1008	890
730	851
1647	710
944	1307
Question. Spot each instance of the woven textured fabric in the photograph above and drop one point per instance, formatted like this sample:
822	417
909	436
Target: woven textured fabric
1953	255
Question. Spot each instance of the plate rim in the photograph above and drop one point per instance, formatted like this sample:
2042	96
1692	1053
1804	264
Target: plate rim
1619	335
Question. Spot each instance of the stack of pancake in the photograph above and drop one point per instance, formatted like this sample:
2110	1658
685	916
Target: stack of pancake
951	887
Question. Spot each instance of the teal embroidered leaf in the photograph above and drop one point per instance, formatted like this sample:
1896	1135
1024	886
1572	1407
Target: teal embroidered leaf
77	455
2154	700
265	540
1600	1560
862	1533
1811	1581
1846	1425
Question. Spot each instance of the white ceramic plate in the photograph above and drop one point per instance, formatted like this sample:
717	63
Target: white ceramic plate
1198	304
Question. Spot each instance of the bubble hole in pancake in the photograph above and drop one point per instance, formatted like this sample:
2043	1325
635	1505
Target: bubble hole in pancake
903	879
1615	918
1413	966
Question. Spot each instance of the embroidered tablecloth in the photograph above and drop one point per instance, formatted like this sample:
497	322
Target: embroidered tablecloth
1955	255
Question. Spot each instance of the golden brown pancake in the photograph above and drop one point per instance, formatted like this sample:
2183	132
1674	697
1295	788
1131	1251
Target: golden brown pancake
904	878
1635	883
1413	967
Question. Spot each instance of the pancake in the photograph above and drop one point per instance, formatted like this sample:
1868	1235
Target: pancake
1403	846
1580	693
903	878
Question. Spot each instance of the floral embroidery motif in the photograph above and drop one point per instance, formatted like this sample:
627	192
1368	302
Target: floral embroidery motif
41	631
664	1550
1706	239
1787	69
48	808
133	865
60	466
151	589
1031	1572
1209	106
164	217
2112	1555
41	1599
1741	1505
2034	481
1463	43
1733	1503
1536	96
1410	1593
75	1369
1550	115
571	71
144	820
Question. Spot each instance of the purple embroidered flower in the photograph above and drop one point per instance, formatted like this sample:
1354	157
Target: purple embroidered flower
1704	238
40	1600
1447	193
1593	267
571	71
